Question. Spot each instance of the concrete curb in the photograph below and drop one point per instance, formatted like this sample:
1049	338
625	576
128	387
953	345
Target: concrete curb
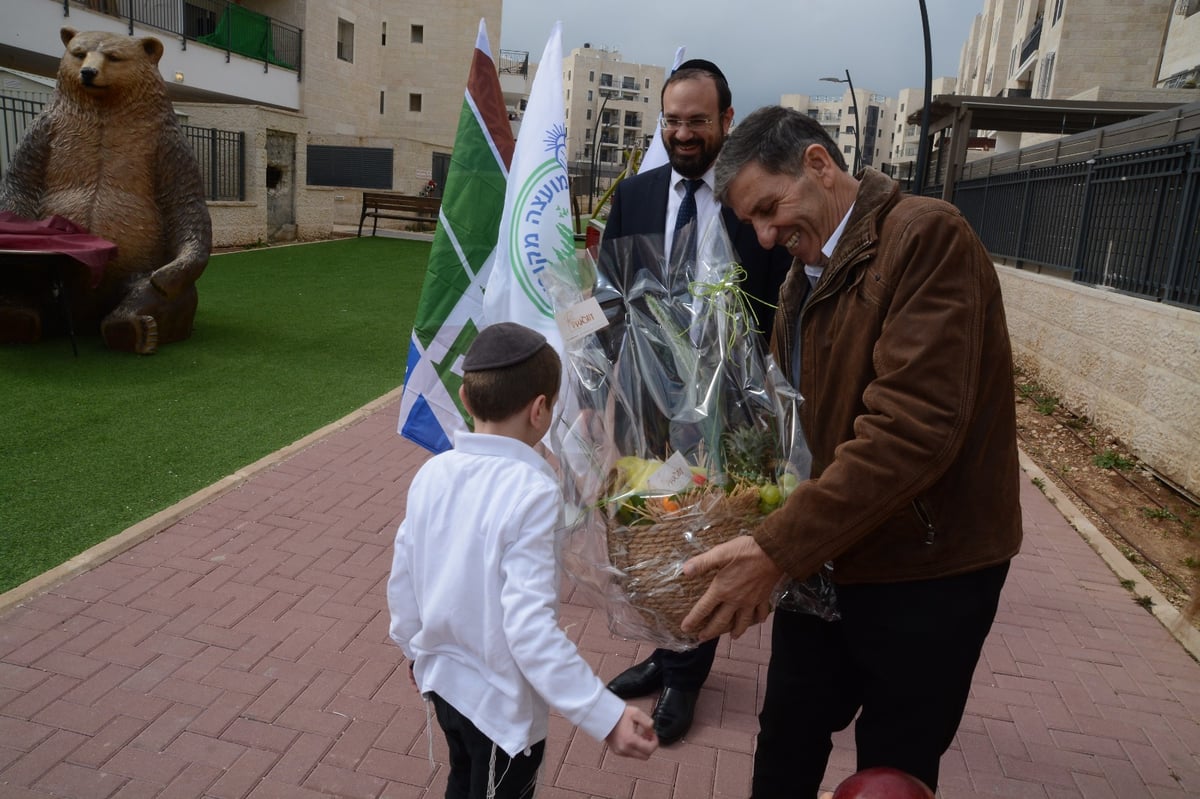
111	547
1171	619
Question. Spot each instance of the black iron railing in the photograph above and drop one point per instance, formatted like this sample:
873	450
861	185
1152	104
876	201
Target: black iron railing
221	153
216	23
1128	221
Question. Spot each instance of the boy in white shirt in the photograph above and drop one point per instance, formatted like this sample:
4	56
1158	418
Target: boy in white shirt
473	591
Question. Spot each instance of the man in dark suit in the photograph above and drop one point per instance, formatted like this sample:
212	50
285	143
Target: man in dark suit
697	113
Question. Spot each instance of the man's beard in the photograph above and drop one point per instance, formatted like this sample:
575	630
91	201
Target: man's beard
693	165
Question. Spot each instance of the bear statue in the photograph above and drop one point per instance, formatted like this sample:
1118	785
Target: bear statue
108	154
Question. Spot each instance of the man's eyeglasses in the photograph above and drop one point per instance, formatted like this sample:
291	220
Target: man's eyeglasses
695	123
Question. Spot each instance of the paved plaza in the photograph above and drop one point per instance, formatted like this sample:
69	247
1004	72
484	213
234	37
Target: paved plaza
236	646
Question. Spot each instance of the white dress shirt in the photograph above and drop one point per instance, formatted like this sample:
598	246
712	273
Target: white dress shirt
473	595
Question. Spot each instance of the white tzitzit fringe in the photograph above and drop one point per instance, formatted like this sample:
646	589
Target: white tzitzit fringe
429	728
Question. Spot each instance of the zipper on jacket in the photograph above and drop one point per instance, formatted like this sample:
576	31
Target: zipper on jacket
923	515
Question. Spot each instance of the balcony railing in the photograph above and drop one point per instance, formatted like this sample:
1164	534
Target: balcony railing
514	62
1030	45
216	23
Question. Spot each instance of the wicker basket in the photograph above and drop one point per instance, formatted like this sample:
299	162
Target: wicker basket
650	554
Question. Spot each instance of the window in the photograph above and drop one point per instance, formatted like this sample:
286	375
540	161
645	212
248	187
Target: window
1058	4
1185	8
848	149
383	34
589	113
417	36
345	40
589	95
414	103
647	83
591	76
381	94
358	167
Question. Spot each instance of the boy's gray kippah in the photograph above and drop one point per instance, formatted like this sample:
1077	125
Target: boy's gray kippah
502	344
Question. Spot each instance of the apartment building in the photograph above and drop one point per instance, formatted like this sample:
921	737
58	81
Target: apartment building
612	109
1100	50
332	97
858	121
906	137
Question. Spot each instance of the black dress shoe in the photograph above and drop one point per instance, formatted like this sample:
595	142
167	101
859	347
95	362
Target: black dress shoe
638	680
673	714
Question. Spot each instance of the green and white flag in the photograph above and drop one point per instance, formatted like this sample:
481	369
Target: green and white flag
450	311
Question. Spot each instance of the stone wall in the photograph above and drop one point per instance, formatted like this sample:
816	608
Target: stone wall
244	223
1130	365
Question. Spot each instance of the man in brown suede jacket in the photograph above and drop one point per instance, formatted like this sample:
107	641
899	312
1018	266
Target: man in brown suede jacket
892	327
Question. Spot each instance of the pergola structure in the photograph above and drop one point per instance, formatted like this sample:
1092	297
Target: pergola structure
964	113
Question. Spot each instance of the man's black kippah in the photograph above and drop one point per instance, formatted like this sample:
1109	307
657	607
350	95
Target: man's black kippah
700	63
502	344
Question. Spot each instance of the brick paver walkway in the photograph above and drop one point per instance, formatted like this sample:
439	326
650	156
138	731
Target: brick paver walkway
243	652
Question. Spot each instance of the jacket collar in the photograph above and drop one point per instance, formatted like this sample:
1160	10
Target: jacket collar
876	194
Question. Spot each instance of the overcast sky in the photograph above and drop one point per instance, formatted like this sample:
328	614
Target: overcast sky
765	47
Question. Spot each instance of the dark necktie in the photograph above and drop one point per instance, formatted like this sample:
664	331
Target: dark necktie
683	245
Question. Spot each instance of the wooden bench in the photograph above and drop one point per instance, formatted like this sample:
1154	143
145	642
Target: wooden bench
387	205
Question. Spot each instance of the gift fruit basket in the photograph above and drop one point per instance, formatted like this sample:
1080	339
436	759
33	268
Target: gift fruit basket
680	432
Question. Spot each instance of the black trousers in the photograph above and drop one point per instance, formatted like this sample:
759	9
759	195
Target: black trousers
902	653
688	670
471	754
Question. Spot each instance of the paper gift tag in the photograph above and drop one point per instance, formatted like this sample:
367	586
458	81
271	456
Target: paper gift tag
580	319
674	476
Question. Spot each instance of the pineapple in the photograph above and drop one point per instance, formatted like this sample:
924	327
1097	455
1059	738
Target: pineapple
750	454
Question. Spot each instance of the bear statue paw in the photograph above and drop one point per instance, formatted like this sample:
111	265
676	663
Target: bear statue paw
20	325
131	334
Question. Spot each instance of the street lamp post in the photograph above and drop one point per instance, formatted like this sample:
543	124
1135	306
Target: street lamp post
857	146
923	147
595	154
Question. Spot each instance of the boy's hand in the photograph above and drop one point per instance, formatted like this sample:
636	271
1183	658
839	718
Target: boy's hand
634	734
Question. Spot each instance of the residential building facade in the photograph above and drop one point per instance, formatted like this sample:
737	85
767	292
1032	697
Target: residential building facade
1104	50
870	132
612	109
338	97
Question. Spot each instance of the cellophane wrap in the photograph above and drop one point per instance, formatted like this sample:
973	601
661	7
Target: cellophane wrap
682	433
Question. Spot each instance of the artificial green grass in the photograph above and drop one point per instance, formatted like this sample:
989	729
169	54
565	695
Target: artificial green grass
287	340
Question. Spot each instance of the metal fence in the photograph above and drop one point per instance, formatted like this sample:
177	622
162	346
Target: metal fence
221	153
222	157
217	23
1098	207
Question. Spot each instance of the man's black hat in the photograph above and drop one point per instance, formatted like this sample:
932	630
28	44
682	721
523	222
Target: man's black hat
700	63
502	344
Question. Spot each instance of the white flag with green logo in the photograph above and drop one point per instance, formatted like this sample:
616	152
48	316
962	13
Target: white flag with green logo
536	233
450	311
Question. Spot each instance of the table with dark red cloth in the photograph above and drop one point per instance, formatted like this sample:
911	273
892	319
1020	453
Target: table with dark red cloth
50	244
